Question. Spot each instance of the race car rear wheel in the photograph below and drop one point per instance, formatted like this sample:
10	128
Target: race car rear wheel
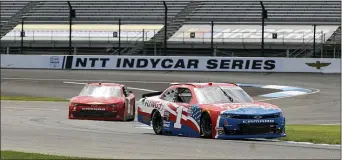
157	123
206	126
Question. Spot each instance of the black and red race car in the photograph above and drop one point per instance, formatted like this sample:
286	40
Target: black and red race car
103	101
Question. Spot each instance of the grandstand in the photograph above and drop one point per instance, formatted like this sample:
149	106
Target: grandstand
236	30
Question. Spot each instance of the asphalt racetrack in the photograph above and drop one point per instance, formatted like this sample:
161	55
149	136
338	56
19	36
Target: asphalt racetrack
44	127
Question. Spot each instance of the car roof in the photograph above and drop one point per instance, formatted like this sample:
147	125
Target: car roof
105	84
208	84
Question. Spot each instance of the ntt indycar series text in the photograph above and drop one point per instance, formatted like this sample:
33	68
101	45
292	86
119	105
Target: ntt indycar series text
175	63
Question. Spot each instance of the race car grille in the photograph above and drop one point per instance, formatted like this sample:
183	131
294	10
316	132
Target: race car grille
92	113
252	129
241	116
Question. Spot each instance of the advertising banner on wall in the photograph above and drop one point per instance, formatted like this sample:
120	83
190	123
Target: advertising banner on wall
32	61
173	63
235	64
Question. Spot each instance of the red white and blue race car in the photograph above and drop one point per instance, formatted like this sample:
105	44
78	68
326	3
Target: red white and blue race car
103	101
210	110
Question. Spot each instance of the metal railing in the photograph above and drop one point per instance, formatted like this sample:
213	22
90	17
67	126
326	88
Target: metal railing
307	49
179	36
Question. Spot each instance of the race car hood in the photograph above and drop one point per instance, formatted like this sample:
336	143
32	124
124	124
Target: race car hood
246	108
96	100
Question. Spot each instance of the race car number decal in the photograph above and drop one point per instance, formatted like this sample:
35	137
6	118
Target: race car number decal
179	112
179	117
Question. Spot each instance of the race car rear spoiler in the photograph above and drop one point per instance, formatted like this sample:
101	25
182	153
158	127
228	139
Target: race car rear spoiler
152	94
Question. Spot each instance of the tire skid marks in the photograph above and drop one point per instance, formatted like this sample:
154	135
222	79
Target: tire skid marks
143	126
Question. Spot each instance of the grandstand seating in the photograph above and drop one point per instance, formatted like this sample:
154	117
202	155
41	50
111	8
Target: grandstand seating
180	12
137	12
105	12
8	24
173	27
280	12
335	38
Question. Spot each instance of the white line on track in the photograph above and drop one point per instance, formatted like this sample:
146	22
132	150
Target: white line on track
268	99
75	83
77	80
140	89
309	143
143	126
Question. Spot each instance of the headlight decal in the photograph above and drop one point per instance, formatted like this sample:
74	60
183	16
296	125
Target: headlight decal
226	115
75	104
113	105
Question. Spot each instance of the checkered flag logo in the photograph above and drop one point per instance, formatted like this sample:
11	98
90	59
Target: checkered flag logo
196	113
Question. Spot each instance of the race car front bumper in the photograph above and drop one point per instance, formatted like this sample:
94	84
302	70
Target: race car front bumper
266	136
94	115
247	128
251	131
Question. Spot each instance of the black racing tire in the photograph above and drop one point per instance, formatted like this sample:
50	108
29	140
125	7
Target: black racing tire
157	123
206	126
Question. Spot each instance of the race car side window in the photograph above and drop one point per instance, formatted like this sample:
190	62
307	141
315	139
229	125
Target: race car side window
169	95
183	95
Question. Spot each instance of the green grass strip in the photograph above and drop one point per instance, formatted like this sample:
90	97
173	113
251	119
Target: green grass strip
22	98
26	155
325	134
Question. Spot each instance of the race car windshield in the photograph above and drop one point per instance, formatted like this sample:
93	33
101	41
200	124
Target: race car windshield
101	91
211	95
237	94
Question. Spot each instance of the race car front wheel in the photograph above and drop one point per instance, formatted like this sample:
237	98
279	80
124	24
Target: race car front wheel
157	123
206	126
